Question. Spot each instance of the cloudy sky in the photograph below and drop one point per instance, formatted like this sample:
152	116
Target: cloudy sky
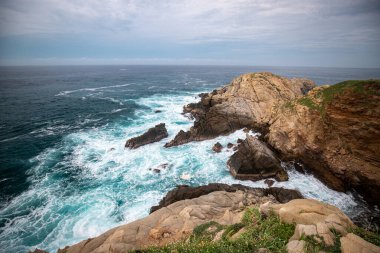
342	33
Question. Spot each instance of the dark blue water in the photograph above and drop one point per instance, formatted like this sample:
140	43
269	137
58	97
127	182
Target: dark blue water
64	175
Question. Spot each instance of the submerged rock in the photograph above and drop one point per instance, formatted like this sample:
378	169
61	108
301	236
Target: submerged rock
269	182
153	134
255	161
217	147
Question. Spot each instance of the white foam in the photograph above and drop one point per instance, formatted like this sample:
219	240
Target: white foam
66	92
89	182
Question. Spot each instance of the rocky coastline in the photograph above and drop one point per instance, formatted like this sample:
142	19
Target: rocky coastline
330	131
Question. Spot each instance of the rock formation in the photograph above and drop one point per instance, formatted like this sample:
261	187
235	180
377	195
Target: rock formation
153	134
247	102
183	192
255	161
333	130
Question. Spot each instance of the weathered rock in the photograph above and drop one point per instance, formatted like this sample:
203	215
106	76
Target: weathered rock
310	212
318	232
247	102
157	111
171	223
153	134
352	243
217	147
335	132
296	246
269	182
255	161
182	192
230	145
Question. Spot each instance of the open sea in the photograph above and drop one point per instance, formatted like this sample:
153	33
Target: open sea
64	173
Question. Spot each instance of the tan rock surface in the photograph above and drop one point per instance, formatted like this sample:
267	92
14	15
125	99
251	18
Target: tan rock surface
354	244
171	223
310	212
248	101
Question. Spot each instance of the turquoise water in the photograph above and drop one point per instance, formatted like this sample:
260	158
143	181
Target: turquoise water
65	175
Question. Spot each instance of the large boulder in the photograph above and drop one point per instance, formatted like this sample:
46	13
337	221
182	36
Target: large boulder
172	223
153	134
255	161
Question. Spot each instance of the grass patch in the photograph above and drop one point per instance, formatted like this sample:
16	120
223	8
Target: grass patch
314	246
324	97
260	232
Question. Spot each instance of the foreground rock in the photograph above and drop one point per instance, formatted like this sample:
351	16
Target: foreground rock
183	192
255	161
310	212
172	223
354	244
153	134
247	102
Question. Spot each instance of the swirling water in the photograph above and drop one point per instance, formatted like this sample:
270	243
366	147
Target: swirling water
65	175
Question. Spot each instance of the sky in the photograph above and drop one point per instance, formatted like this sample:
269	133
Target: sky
326	33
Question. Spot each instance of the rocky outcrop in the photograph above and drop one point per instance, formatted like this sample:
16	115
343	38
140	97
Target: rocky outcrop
335	132
172	223
247	102
255	161
316	220
183	192
153	134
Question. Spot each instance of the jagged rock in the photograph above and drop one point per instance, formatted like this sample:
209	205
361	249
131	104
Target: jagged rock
153	134
156	170
230	145
217	147
182	192
172	223
310	212
269	182
334	131
255	161
352	243
247	102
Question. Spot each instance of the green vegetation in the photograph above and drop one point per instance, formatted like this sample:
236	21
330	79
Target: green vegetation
259	232
369	236
314	246
323	97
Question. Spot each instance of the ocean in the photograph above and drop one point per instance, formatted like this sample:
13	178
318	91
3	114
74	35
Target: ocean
64	173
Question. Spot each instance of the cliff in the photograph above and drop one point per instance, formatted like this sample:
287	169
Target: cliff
333	130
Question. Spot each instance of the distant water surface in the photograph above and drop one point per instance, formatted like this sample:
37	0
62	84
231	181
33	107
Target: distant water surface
64	173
